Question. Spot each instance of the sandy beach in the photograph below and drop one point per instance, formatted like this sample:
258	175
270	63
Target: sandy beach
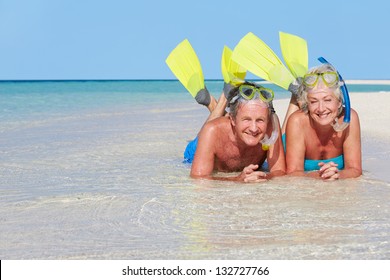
367	82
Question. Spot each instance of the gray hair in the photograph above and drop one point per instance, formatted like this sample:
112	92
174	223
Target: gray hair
303	89
235	105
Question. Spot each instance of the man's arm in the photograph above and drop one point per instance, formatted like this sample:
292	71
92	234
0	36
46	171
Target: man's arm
203	164
275	157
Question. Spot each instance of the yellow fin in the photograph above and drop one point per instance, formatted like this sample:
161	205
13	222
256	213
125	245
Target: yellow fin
256	56
232	72
281	74
295	53
185	65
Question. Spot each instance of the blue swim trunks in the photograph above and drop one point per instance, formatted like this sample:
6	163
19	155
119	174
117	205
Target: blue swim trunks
190	150
312	164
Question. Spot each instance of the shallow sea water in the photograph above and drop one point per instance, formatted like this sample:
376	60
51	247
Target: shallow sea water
103	178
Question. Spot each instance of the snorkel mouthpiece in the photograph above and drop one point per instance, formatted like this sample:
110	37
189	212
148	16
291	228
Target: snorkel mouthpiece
268	141
340	126
347	117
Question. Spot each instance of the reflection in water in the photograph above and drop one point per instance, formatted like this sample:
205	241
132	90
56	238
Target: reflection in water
283	219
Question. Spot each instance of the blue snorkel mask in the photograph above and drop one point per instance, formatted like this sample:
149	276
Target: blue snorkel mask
347	105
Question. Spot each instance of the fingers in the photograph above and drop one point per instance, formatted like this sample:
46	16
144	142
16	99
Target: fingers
250	175
329	171
250	168
332	178
324	165
255	177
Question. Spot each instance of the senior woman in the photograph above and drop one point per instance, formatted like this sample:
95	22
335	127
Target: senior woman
313	147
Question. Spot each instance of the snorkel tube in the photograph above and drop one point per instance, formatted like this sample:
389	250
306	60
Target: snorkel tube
347	105
268	141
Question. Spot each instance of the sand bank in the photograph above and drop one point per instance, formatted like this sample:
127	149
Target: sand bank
351	82
367	82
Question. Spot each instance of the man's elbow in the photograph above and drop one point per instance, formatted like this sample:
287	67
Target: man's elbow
277	173
198	175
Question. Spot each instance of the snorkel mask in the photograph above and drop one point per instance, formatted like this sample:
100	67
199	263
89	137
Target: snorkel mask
347	105
249	92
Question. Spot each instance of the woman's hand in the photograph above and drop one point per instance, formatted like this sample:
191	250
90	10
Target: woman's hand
329	171
250	175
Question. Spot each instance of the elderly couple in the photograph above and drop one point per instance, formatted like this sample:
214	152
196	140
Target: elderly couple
307	143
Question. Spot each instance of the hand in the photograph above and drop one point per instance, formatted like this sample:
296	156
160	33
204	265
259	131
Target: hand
329	171
250	175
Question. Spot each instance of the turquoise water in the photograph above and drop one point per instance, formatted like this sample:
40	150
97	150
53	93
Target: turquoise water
42	100
93	170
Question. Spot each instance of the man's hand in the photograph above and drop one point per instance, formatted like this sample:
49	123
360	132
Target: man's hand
250	175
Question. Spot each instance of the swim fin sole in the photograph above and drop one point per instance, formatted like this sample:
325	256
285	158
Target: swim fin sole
185	65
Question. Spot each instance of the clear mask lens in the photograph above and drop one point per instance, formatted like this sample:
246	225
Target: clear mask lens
249	92
329	78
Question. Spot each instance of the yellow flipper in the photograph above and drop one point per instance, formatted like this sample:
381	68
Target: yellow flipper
256	56
295	53
185	65
232	72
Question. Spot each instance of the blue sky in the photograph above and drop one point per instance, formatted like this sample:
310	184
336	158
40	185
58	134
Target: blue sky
124	39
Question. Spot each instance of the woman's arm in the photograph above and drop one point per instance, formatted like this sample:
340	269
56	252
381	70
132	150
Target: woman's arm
352	155
352	149
295	146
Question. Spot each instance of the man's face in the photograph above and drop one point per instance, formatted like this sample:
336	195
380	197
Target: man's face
251	122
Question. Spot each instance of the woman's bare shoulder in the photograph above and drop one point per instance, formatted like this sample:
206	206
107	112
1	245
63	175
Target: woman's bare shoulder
297	118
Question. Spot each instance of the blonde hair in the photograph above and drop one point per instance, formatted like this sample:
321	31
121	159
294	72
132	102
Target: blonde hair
303	89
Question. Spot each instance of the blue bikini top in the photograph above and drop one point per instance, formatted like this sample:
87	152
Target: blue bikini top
312	164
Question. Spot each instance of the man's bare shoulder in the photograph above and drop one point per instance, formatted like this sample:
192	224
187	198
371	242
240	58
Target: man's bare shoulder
215	132
217	125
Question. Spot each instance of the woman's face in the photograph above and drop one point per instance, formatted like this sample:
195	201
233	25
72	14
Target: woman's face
323	105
